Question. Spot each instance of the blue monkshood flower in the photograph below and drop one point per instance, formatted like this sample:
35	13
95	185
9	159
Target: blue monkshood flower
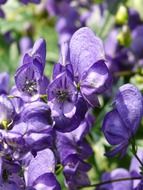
33	131
64	100
62	95
75	172
96	80
121	124
58	7
58	69
63	28
85	50
137	41
29	77
72	149
119	58
74	142
88	61
38	52
9	186
9	178
134	18
64	63
116	174
25	44
65	124
4	83
3	2
2	14
40	172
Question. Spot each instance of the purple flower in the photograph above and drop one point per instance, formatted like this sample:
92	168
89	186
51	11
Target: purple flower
29	77
9	186
134	19
56	7
3	2
40	172
65	124
137	41
33	131
62	95
72	149
85	50
122	122
4	83
74	142
64	100
75	172
65	30
88	61
2	14
96	80
25	44
38	52
116	174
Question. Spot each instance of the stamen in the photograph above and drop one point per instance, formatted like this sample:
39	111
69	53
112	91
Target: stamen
30	87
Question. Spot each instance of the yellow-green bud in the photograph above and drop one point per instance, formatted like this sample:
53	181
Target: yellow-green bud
121	15
5	124
124	37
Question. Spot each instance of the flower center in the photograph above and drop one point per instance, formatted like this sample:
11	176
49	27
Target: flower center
30	87
62	95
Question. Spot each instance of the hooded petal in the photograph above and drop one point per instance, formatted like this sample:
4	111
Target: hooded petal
39	50
114	129
38	117
95	81
4	83
47	181
27	76
42	163
128	102
85	50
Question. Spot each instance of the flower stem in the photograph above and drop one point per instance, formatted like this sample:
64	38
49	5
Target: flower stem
134	151
112	181
139	160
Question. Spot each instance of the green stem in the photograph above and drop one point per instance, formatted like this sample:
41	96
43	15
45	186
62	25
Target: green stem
124	73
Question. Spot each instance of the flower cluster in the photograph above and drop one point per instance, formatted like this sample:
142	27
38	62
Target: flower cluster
123	45
69	16
43	123
121	124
